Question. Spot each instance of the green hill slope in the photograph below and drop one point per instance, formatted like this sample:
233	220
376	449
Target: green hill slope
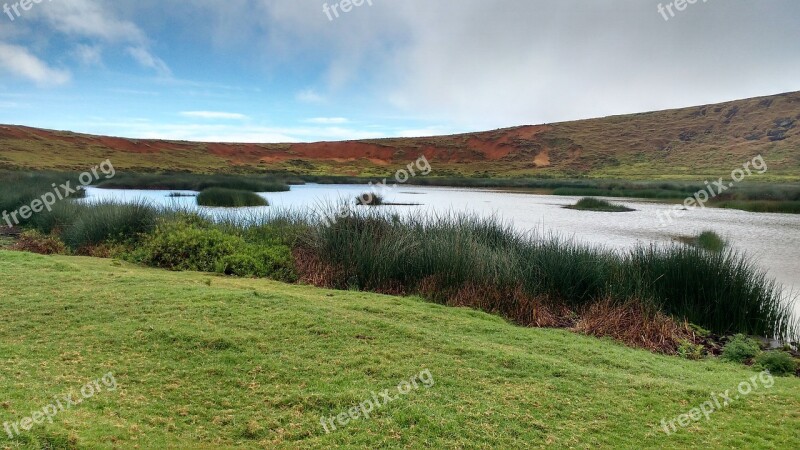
208	362
696	142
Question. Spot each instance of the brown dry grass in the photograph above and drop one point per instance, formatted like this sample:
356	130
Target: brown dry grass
35	242
634	324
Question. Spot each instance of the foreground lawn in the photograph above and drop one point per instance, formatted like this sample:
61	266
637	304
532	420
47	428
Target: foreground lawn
202	361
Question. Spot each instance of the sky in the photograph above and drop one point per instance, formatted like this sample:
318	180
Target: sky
311	70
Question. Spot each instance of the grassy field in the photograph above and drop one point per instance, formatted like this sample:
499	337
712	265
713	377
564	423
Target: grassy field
211	362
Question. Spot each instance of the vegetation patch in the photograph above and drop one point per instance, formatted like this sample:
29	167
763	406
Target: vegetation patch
188	243
369	199
230	198
36	242
596	204
777	362
741	349
762	206
707	240
722	292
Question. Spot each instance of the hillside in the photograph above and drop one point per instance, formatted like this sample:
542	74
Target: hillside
683	143
200	361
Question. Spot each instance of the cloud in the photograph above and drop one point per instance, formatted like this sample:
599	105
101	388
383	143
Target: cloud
146	59
89	55
309	96
241	133
327	120
96	20
20	62
484	64
90	18
214	115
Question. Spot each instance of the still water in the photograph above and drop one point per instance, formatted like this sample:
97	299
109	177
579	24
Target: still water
771	240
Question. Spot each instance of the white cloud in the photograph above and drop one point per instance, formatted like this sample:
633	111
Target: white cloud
327	120
146	59
95	20
214	115
20	62
309	96
240	133
89	55
90	18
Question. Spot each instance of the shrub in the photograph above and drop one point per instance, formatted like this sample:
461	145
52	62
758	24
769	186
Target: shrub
187	243
741	349
178	245
36	242
777	362
229	198
265	262
690	350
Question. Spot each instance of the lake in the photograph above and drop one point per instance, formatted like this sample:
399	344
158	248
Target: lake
771	240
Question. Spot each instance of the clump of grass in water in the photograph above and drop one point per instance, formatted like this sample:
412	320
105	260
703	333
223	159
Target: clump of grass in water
230	198
596	204
711	241
369	199
707	240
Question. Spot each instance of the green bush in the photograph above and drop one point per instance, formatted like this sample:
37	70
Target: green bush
741	349
777	362
596	204
190	244
265	262
690	350
179	245
229	198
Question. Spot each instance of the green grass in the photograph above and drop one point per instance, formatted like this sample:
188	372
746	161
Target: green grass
21	188
211	362
596	204
230	198
762	206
